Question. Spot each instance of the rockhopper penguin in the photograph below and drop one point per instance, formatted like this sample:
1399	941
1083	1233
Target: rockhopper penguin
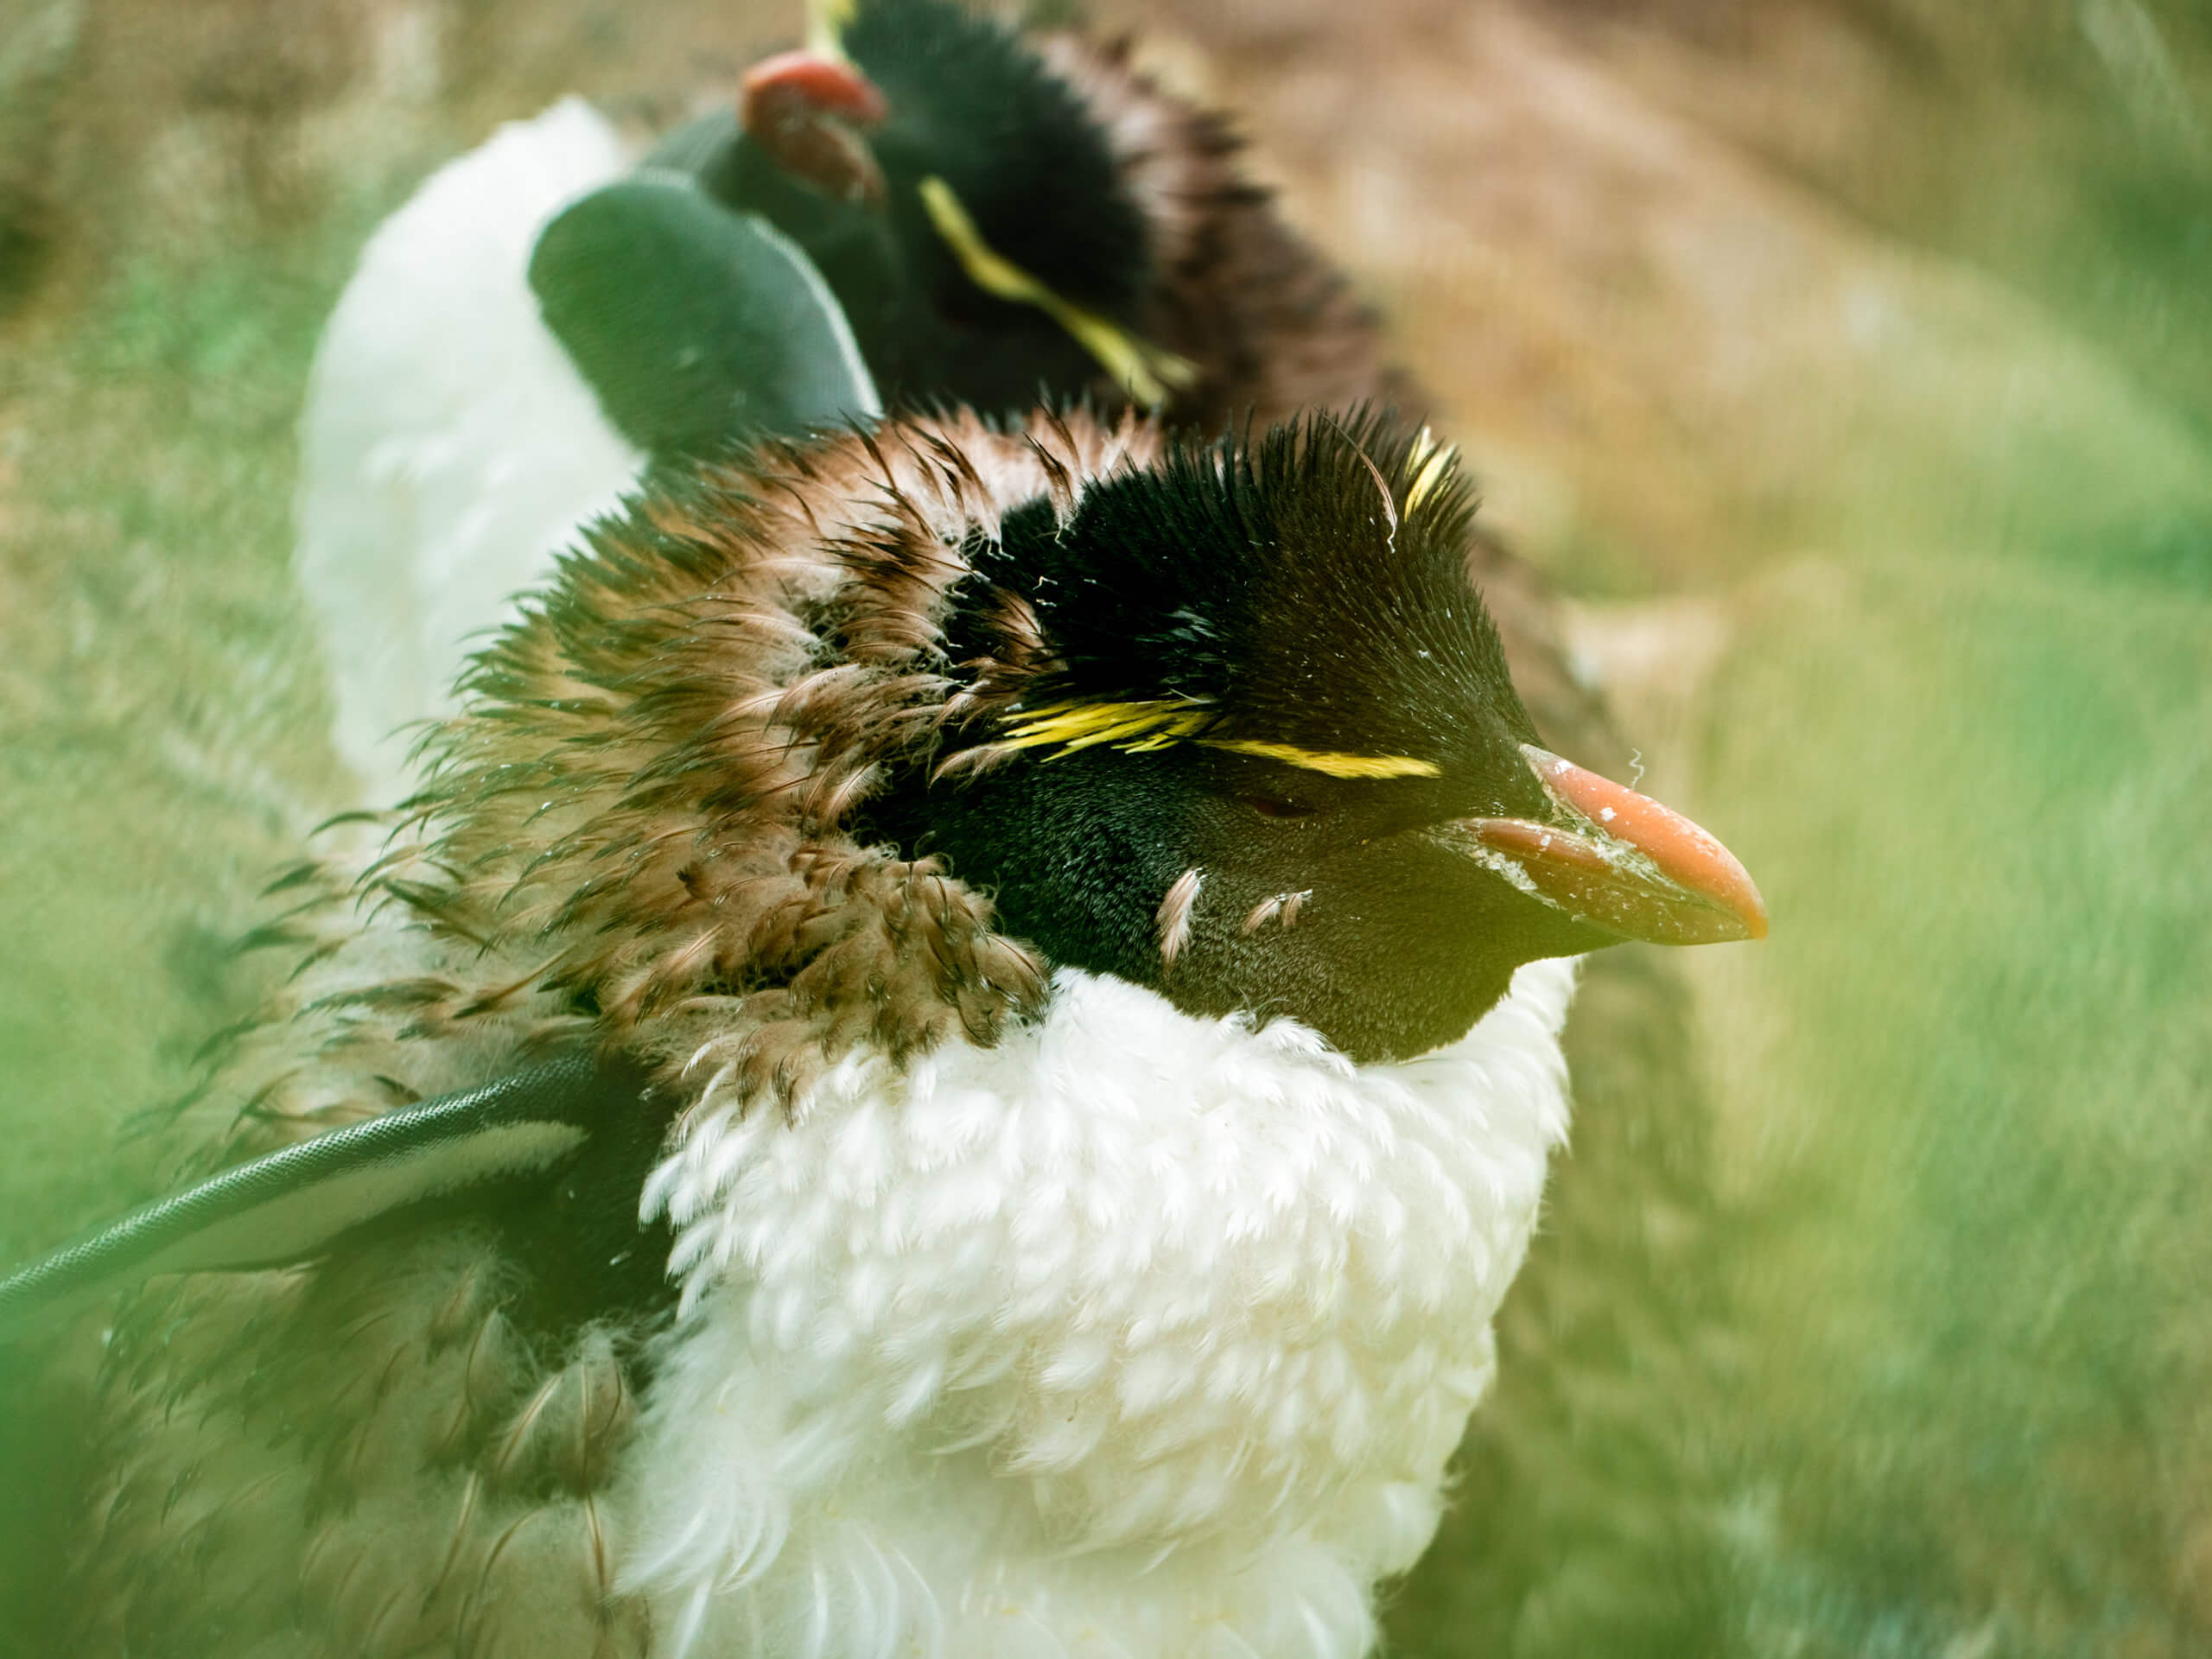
954	1060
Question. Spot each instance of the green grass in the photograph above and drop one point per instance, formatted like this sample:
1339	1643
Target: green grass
161	746
161	710
1972	1134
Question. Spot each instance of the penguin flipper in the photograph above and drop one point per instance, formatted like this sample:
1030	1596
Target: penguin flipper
694	324
293	1204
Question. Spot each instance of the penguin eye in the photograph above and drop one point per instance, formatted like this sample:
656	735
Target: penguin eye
1277	806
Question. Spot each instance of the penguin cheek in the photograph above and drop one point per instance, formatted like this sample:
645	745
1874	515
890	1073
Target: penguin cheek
1389	950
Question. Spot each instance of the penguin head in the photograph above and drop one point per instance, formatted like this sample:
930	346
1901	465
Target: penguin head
1243	733
860	738
959	198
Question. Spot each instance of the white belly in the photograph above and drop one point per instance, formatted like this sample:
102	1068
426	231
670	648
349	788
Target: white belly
1138	1334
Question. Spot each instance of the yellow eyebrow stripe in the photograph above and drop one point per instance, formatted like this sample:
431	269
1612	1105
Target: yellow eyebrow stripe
1139	727
825	27
1149	374
1334	764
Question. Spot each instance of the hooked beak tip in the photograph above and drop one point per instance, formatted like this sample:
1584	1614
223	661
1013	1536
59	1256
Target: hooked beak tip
1621	860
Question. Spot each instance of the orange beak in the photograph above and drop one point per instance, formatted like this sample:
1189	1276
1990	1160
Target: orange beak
1619	860
806	112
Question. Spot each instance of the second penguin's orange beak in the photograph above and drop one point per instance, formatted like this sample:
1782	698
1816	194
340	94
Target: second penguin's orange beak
807	111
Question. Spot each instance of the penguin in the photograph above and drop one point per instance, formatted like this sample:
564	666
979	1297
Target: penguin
810	151
955	1058
921	205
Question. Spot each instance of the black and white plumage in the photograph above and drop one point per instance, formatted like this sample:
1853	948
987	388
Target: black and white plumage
953	1286
539	324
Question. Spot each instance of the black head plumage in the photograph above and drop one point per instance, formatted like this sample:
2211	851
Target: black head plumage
1307	588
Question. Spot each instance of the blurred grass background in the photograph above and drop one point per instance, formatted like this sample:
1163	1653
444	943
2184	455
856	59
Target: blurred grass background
1851	360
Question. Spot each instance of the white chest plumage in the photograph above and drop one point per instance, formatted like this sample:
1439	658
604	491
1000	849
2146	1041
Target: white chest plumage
449	450
1138	1334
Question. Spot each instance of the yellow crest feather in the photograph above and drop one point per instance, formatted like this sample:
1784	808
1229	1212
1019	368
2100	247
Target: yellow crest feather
1132	726
1141	728
1430	464
1334	763
1150	375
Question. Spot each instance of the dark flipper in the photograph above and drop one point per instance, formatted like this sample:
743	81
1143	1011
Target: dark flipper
693	324
481	1149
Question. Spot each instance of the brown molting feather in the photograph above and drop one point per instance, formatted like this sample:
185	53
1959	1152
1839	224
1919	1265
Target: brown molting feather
638	829
1173	923
1281	907
635	833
